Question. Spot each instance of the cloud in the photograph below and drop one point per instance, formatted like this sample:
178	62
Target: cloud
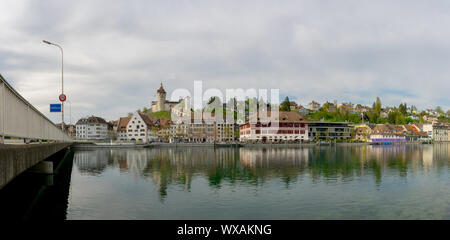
117	53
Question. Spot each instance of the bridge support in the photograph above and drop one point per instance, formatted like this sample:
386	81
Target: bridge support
44	167
15	159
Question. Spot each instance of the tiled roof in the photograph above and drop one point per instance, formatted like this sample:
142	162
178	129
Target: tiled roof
282	116
148	120
91	120
123	122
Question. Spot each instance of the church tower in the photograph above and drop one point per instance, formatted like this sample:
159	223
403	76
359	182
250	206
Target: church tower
161	99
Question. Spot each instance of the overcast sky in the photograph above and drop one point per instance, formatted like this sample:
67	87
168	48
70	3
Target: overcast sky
118	52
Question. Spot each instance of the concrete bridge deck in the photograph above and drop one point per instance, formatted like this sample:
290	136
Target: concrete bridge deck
17	158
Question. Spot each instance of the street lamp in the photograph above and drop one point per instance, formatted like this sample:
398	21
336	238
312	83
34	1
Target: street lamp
62	80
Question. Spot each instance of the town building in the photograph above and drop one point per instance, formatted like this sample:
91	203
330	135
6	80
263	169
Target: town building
439	132
142	128
388	137
413	133
293	106
302	110
330	107
430	119
329	131
206	129
287	126
314	106
362	109
122	129
388	133
92	128
363	132
69	129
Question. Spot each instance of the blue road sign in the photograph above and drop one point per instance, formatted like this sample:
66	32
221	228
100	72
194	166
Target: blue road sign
55	107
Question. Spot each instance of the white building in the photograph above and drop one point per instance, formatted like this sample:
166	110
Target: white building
92	128
122	129
288	126
437	131
140	128
314	106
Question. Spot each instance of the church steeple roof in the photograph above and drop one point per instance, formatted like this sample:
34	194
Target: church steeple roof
161	89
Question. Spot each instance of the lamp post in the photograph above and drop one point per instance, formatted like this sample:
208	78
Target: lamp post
62	80
70	112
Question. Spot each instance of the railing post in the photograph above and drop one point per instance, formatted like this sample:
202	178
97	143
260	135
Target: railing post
28	124
2	137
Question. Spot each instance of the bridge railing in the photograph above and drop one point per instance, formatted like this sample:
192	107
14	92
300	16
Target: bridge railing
18	118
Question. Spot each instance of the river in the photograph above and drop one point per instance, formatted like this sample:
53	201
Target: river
326	182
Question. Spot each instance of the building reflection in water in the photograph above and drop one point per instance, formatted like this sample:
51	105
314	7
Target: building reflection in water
254	166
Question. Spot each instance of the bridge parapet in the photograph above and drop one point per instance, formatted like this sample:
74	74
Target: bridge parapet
18	118
15	159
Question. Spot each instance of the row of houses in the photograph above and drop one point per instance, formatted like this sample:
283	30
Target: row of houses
287	126
439	132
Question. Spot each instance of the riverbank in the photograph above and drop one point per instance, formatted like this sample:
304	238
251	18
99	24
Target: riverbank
236	145
232	145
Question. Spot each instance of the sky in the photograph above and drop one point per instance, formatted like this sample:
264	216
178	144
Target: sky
117	53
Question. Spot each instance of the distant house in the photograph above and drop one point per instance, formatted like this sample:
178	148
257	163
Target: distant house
439	132
92	128
302	110
413	133
69	129
287	126
331	107
140	128
388	133
432	113
314	106
430	119
347	107
293	105
362	109
122	128
398	133
363	131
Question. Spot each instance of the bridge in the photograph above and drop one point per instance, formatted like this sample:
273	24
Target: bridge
27	137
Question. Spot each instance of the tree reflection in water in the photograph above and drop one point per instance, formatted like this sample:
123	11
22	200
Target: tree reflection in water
254	166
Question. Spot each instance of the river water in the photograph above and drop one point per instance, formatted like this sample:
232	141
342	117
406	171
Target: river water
337	182
358	182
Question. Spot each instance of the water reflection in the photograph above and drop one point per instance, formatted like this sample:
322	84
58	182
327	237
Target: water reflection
255	166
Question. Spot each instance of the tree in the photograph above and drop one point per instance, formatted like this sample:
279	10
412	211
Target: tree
402	108
448	113
285	105
439	110
378	106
